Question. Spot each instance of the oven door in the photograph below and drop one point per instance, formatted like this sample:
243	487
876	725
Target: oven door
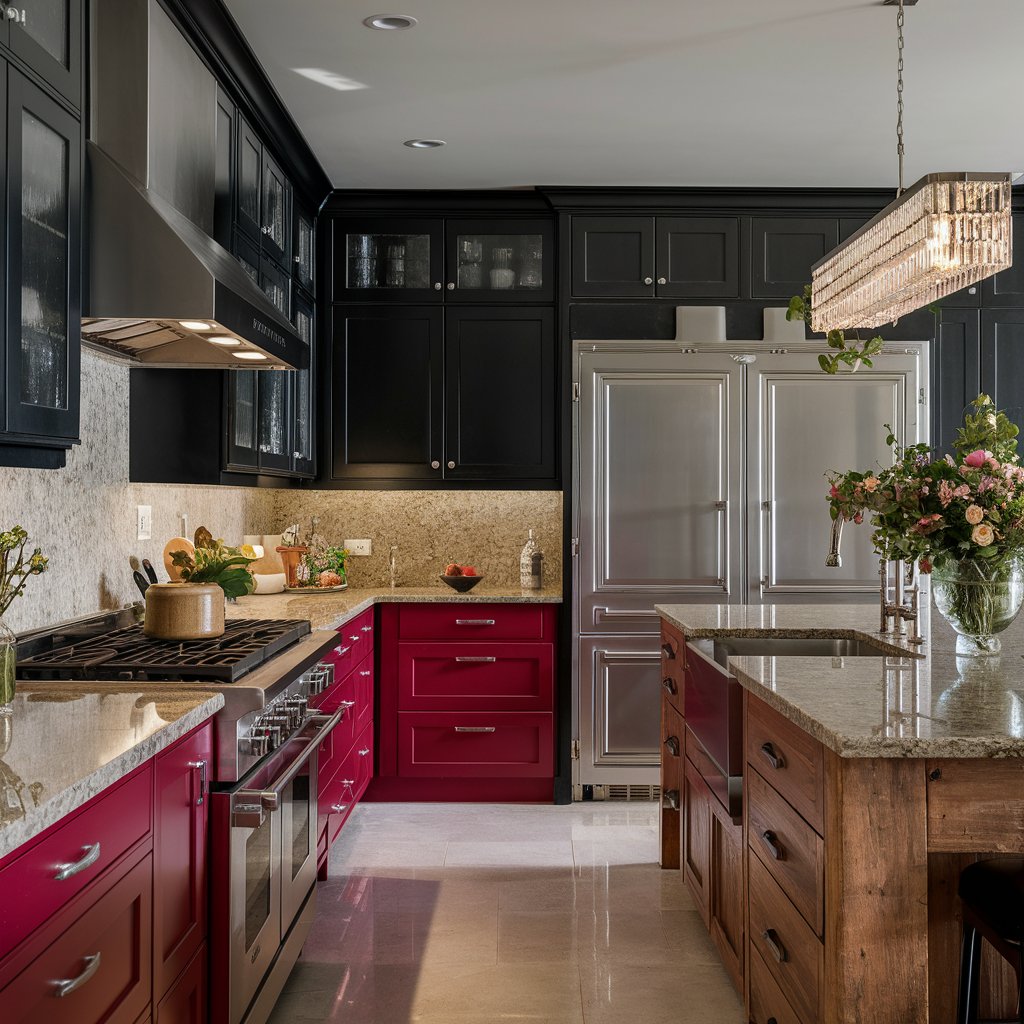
272	856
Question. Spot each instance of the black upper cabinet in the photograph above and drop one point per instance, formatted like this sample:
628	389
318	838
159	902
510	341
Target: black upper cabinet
224	178
1002	359
242	440
956	373
698	257
613	257
386	375
783	250
499	261
1007	288
276	212
274	421
248	181
304	259
387	259
499	394
49	41
303	393
44	240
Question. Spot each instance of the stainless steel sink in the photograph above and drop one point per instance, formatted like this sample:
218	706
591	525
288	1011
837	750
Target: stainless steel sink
792	647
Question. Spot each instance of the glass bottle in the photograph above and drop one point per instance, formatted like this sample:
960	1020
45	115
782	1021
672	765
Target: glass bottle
8	659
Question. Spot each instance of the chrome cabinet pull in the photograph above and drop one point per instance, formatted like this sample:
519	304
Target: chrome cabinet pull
341	651
771	840
648	280
201	765
775	759
367	629
451	286
90	855
364	751
474	622
434	464
65	988
451	463
437	286
479	657
662	280
771	937
474	728
366	672
673	745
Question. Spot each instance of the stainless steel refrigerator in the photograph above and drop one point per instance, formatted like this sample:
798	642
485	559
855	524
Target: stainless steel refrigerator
699	476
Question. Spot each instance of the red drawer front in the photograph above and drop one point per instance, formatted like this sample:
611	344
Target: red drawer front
466	621
488	677
118	929
363	680
357	636
496	744
339	793
116	819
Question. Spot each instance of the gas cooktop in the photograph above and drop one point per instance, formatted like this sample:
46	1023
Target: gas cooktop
127	653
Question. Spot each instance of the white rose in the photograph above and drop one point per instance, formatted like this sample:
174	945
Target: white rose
974	514
983	535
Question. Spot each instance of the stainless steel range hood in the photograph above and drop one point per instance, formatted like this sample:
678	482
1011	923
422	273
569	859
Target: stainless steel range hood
160	288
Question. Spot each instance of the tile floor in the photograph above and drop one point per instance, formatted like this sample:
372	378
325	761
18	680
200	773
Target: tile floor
473	914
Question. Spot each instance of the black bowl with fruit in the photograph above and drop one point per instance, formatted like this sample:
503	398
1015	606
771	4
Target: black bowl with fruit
462	578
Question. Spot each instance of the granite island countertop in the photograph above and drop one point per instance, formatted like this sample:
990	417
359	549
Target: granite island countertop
914	702
61	746
329	611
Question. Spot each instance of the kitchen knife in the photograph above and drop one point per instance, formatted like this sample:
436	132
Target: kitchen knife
150	571
141	582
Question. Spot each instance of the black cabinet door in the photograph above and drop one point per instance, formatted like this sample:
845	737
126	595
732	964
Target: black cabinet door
783	250
1002	359
248	181
274	420
1007	288
277	285
242	449
276	213
44	239
956	373
698	257
303	260
49	41
224	178
386	393
303	405
613	257
499	394
387	259
499	261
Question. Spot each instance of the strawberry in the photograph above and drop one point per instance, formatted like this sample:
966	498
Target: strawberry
468	570
453	569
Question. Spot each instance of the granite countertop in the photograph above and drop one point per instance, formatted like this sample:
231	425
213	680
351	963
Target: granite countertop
329	611
915	702
62	746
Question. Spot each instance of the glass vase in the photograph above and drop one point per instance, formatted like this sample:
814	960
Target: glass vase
979	598
7	662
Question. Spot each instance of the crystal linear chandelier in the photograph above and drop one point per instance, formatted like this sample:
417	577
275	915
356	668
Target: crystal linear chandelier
946	232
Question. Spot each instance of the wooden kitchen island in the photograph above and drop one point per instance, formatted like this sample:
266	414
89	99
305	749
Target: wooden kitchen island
827	877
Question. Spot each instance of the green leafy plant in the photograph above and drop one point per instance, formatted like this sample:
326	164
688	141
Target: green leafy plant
15	566
324	565
214	562
850	352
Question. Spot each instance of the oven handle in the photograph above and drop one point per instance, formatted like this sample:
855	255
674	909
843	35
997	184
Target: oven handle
248	805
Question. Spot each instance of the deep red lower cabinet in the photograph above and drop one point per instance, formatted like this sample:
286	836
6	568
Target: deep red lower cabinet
185	1003
466	702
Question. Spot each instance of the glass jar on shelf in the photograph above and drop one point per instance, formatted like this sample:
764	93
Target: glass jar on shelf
503	276
471	253
531	261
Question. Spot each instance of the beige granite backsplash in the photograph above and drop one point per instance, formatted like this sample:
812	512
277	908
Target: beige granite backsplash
486	529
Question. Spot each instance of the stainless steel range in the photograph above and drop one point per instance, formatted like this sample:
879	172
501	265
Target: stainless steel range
263	800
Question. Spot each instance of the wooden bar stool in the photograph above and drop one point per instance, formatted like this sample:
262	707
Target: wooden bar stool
992	894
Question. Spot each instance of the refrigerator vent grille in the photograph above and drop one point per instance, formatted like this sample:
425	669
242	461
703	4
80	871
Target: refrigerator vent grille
634	792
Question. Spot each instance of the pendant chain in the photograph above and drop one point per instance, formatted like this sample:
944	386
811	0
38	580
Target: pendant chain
899	94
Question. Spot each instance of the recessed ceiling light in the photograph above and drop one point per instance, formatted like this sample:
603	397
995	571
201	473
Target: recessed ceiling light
424	143
194	325
224	340
330	79
250	355
389	22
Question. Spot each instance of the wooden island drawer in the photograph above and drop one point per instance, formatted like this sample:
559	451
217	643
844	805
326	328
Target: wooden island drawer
465	621
475	744
789	848
45	877
767	1003
789	948
477	676
792	762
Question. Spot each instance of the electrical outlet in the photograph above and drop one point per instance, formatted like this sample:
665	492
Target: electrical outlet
144	522
359	547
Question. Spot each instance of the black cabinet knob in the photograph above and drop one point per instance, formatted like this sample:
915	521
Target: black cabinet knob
670	651
771	840
773	942
776	760
673	745
670	685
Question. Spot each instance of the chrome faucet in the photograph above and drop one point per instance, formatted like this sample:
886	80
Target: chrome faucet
898	610
393	566
833	560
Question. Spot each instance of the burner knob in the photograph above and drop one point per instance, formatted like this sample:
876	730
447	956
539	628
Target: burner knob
258	745
297	708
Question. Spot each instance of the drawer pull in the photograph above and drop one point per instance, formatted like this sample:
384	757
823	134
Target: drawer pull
771	1020
65	988
341	651
474	728
673	745
479	657
775	759
90	855
474	622
775	848
670	651
367	629
366	672
364	751
670	685
771	937
672	798
355	639
201	765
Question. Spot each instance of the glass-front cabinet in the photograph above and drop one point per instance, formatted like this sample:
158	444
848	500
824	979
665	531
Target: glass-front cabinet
47	36
43	313
274	403
498	261
388	259
302	392
304	259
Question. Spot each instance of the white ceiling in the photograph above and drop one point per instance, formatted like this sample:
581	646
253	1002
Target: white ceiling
649	92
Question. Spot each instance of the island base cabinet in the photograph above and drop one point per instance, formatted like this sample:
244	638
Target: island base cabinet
671	785
695	839
727	901
185	1003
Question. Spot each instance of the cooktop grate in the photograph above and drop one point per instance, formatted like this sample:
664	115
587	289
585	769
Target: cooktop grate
131	655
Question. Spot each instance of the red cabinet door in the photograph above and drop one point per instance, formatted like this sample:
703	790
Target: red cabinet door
99	968
186	1001
180	855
